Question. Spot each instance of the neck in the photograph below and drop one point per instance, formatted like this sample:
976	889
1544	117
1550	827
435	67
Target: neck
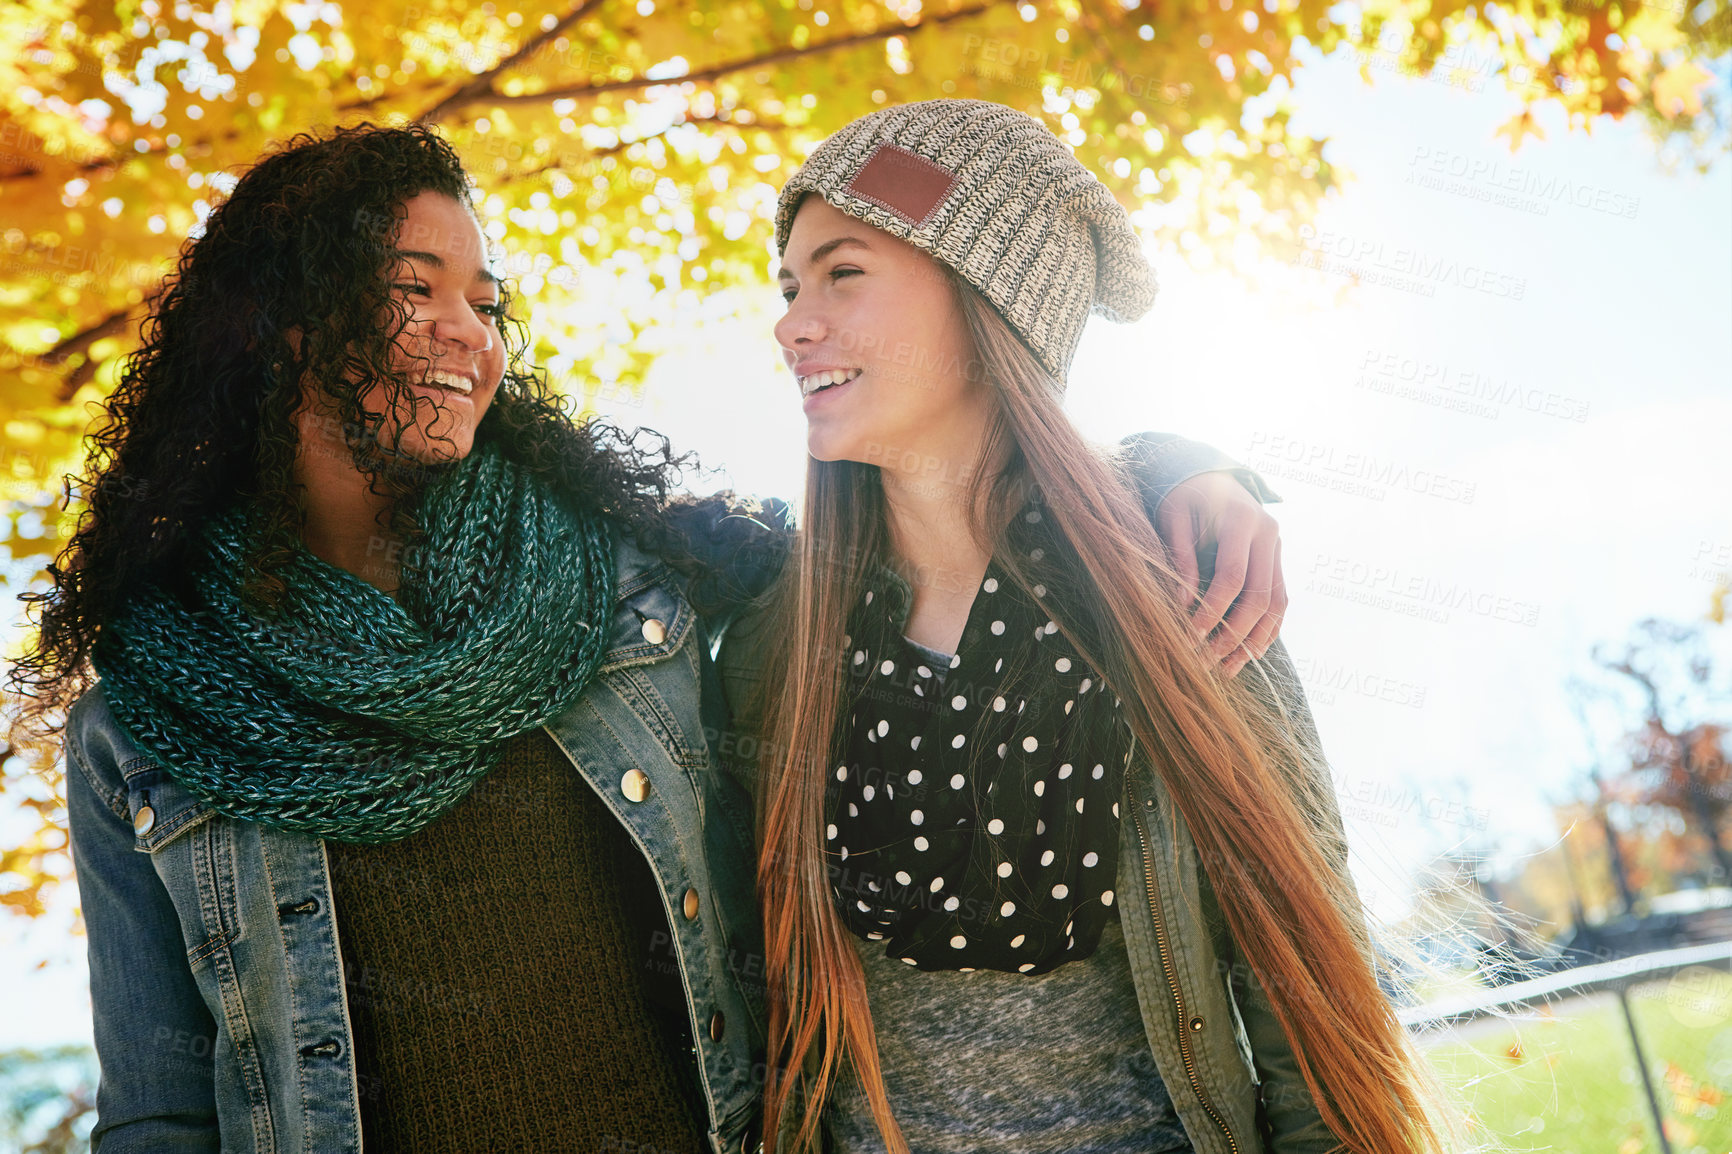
930	517
345	521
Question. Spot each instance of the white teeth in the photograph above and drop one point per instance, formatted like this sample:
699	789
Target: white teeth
814	382
450	381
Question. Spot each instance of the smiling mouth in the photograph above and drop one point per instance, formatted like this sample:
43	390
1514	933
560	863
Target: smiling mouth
829	379
449	382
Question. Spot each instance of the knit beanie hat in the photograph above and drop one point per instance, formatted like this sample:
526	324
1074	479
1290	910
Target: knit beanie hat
992	193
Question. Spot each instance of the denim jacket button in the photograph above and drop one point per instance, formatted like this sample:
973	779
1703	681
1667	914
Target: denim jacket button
716	1023
635	785
654	631
690	907
144	820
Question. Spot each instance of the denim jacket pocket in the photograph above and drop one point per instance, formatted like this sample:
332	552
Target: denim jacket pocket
160	808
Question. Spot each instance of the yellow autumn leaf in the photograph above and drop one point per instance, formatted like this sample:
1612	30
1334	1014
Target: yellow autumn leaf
1678	90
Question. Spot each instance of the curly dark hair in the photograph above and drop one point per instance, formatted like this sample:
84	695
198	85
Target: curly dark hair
203	412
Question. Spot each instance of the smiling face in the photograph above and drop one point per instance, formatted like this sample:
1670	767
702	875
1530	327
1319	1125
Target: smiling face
450	349
877	347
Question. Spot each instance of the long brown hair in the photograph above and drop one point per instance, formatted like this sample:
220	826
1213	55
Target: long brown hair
1246	783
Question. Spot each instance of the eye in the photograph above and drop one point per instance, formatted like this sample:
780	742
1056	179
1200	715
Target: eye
838	273
789	292
410	287
494	310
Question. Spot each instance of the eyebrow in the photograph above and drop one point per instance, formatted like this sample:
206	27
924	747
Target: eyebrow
438	261
825	250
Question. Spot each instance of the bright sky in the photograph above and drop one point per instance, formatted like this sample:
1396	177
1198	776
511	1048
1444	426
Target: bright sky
1477	487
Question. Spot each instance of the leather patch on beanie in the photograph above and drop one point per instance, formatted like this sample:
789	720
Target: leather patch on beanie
902	182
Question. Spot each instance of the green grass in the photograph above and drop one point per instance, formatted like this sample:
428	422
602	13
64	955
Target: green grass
1568	1082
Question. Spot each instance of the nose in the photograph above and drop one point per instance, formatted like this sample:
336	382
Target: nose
458	323
800	327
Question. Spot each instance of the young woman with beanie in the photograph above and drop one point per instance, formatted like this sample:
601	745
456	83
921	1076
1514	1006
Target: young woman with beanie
396	810
1036	876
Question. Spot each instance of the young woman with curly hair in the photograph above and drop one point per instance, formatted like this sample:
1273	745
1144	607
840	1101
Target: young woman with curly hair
1036	875
392	771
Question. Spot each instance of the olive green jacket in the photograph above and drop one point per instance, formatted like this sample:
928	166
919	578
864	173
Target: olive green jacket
1220	1049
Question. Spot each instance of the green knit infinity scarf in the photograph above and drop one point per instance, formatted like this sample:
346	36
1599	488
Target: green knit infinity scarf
349	715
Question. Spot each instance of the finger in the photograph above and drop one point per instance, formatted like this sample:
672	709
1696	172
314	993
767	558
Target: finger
1247	611
1178	529
1236	661
1263	636
1251	609
1231	553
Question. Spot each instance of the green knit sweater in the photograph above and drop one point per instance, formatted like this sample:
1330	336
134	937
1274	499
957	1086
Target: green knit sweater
509	978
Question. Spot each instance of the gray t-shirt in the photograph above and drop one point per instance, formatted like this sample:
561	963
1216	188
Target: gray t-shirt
1029	1063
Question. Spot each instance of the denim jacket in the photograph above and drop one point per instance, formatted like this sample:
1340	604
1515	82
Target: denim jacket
215	976
1217	1043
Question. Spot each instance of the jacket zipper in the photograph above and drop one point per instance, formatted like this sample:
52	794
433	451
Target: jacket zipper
1167	967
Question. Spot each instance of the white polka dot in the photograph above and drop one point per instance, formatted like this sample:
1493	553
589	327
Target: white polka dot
1079	804
904	878
1018	940
830	832
1061	891
956	742
868	793
921	843
1036	554
958	941
1046	858
1107	898
1004	872
889	791
995	826
919	691
957	781
883	728
853	810
950	903
959	702
841	773
955	660
937	884
864	908
1067	706
1064	771
1003	749
914	775
1031	743
1097	771
1039	826
887	668
911	961
998	705
1025	967
923	671
1040	788
873	886
868	596
1021	705
990	585
965	969
1071	944
1006	909
1115	809
1086	683
1032	518
1051	626
997	628
859	656
1068	926
1090	858
998	665
844	854
1039	633
1040	590
874	937
872	735
1062	665
914	743
916	817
